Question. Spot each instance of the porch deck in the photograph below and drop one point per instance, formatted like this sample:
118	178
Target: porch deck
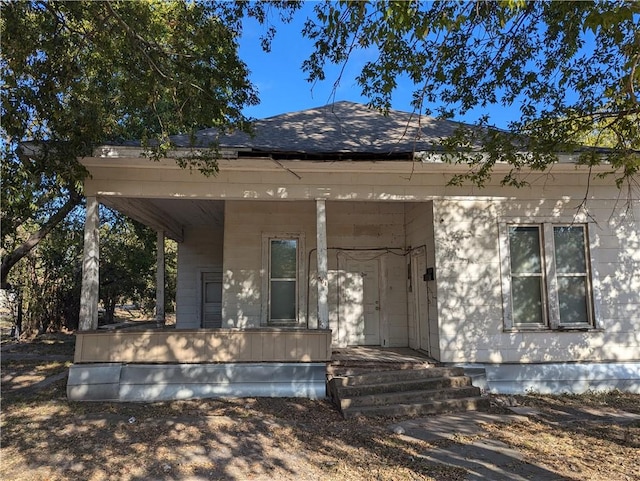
380	355
355	360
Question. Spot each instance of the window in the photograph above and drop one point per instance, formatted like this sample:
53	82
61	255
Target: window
527	281
546	276
283	268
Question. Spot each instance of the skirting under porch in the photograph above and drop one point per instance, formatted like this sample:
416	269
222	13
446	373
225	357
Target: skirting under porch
163	382
164	364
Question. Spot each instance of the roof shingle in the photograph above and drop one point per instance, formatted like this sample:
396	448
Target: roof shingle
341	127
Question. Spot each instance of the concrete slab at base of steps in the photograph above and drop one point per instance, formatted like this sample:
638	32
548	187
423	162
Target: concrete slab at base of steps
484	459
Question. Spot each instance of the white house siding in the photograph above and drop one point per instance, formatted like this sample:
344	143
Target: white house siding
420	234
465	225
469	286
245	224
200	252
356	226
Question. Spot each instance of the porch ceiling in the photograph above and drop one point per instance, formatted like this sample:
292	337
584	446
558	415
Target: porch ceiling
169	215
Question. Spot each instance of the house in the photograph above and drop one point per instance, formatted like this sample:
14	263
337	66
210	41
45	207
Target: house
325	230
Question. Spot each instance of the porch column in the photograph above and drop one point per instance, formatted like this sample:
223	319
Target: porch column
160	318
90	267
321	251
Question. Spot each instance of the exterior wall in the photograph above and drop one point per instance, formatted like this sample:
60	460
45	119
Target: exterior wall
350	225
201	251
555	378
469	287
245	224
465	224
360	230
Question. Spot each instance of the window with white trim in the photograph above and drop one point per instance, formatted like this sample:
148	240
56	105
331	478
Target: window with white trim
283	274
546	276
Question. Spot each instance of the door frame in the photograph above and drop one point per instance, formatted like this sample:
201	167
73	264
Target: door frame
362	255
419	286
200	291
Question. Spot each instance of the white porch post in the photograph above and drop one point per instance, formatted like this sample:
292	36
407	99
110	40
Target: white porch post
90	267
160	317
323	281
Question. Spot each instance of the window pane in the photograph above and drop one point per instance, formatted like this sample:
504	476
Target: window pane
572	296
283	258
570	252
527	300
213	292
524	250
283	300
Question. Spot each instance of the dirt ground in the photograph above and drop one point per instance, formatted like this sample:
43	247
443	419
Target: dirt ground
46	437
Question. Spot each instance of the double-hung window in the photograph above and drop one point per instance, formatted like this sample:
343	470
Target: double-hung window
546	276
282	274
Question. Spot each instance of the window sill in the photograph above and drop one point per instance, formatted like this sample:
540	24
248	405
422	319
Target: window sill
285	325
550	330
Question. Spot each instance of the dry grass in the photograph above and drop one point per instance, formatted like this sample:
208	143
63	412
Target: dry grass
45	437
579	437
260	439
21	374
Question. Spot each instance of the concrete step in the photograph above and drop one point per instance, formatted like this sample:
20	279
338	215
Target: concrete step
357	366
385	376
409	397
417	384
420	409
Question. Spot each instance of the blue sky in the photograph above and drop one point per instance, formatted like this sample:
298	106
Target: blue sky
281	82
278	74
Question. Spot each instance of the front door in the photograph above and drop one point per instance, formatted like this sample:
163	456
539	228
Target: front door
361	302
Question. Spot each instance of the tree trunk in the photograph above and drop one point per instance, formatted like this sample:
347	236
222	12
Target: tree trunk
110	309
18	330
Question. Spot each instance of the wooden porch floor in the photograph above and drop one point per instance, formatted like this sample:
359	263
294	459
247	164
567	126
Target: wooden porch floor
390	355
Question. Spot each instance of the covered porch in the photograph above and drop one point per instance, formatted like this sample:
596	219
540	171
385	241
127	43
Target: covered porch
358	268
267	285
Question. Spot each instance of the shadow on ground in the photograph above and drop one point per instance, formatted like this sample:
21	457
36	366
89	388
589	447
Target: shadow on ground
44	436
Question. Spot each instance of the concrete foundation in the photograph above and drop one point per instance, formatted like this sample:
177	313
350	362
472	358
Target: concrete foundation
148	383
555	378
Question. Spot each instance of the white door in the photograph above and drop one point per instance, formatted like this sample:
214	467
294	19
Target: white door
420	299
211	299
361	302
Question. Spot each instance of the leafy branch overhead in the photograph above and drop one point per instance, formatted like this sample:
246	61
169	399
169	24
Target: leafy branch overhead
80	74
571	68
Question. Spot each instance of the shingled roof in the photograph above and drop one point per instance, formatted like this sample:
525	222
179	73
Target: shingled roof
339	130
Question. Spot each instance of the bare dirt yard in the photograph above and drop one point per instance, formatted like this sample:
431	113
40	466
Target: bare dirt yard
46	437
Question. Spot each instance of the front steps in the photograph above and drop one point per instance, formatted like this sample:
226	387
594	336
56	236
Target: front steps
416	391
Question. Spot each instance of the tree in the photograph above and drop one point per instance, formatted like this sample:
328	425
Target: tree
79	74
48	278
127	262
572	69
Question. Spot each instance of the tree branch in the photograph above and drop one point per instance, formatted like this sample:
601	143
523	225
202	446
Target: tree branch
12	258
140	39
